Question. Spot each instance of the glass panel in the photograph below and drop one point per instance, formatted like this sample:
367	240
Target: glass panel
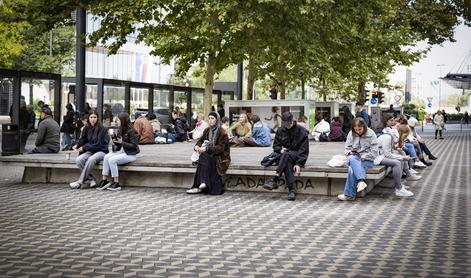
139	100
180	103
161	105
91	97
113	103
197	103
6	96
35	94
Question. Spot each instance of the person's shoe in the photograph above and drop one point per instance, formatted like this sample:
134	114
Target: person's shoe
291	195
75	185
114	186
419	165
343	197
404	193
413	178
193	190
270	185
442	138
427	163
202	186
103	184
92	183
405	186
413	172
361	185
432	157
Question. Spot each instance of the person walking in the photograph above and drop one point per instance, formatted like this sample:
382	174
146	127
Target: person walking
214	159
67	127
466	118
92	147
125	149
292	142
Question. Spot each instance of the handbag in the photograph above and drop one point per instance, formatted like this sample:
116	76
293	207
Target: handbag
273	158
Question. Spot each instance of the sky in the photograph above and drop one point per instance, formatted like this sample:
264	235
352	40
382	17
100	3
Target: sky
426	71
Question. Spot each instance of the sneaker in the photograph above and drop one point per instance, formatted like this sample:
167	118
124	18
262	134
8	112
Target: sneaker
103	184
92	183
193	190
419	164
413	172
427	163
114	186
432	157
413	178
202	186
75	185
270	185
291	195
405	186
442	138
343	197
404	193
361	185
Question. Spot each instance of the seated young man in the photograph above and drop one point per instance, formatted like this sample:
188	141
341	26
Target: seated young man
144	129
48	140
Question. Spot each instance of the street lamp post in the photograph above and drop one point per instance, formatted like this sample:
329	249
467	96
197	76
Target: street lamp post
440	86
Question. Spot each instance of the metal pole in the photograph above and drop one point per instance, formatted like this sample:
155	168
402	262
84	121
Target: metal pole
50	43
240	79
80	60
440	86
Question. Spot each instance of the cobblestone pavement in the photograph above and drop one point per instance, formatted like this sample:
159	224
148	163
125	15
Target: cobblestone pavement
50	230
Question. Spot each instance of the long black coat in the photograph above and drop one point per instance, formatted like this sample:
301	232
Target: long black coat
221	150
295	140
68	124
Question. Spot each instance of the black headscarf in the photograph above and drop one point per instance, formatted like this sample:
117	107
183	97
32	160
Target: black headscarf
214	130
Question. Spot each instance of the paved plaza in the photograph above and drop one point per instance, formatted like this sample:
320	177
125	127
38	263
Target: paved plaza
52	231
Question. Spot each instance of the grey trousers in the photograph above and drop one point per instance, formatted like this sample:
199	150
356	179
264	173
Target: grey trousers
86	162
396	170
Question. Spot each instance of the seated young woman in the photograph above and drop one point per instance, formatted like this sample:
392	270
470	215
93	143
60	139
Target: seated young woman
92	147
361	149
125	146
214	158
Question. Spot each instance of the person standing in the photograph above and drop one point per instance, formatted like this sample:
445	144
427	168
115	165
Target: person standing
214	159
125	146
48	139
292	142
360	112
92	147
439	123
221	111
347	120
466	117
67	127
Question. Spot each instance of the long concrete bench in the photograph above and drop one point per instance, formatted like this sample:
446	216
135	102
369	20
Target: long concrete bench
170	166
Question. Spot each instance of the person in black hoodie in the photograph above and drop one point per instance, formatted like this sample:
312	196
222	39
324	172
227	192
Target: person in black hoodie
125	149
67	127
92	147
179	127
347	120
291	141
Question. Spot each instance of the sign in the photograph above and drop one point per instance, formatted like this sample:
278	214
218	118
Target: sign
429	105
373	101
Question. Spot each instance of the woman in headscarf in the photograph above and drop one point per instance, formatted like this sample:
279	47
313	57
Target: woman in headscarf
214	158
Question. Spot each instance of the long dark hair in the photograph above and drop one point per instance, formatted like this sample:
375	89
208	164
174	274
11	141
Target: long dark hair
124	123
97	126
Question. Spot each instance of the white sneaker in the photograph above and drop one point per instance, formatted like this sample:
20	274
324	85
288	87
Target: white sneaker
413	172
404	193
405	186
343	197
193	191
413	178
202	186
361	185
420	165
75	185
92	183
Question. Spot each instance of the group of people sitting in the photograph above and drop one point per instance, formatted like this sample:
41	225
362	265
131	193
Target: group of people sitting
399	146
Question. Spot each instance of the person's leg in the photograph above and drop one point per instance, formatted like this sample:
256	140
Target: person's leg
82	159
106	166
89	165
440	132
410	150
396	166
119	159
436	133
282	164
355	172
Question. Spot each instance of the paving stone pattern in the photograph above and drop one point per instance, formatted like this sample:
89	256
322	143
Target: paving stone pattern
53	231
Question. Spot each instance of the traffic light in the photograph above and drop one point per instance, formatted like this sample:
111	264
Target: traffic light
366	95
380	97
273	93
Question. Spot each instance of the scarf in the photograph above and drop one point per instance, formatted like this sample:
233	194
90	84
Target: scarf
214	130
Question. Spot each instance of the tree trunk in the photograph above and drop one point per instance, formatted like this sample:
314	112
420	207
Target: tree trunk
303	88
282	81
208	89
361	92
250	77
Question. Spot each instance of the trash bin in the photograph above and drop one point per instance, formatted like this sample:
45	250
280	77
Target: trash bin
10	139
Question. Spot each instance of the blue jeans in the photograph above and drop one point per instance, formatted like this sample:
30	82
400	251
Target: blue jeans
66	139
410	150
112	160
356	171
